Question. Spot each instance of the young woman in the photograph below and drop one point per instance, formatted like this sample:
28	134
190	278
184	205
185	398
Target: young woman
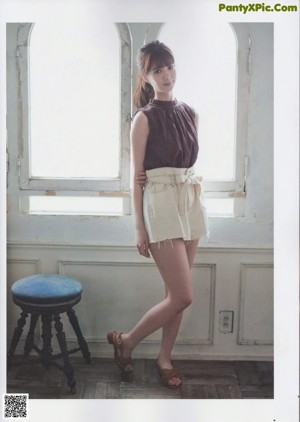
169	212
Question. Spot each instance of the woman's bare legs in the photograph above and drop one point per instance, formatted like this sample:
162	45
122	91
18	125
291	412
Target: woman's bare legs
171	328
174	261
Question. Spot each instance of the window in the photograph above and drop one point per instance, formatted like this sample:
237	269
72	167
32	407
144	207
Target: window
74	139
74	101
206	62
75	111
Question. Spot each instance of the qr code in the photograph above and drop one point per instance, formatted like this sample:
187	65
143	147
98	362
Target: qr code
15	406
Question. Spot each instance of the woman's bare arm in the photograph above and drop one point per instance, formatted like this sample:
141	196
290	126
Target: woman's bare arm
138	135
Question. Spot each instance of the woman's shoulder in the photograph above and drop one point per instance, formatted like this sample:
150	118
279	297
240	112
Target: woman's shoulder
191	111
140	120
145	114
187	107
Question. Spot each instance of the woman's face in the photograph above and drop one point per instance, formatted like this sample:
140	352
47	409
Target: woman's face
162	78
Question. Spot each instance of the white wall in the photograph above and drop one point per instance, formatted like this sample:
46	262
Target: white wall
233	270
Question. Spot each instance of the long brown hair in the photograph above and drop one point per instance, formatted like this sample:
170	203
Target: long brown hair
153	54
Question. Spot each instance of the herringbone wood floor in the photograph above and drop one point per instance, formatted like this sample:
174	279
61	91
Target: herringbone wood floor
101	380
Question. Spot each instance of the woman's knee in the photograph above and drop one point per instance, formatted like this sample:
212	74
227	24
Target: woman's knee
187	300
182	302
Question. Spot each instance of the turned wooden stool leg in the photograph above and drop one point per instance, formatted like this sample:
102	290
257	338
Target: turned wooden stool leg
81	341
67	369
46	351
16	337
30	335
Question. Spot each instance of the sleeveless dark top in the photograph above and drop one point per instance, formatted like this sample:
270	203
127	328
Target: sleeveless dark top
172	140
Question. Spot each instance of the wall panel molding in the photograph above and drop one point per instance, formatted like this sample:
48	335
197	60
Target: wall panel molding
36	263
129	248
124	253
119	286
256	304
198	322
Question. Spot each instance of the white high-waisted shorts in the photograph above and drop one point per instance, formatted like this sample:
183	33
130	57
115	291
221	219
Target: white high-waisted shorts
173	205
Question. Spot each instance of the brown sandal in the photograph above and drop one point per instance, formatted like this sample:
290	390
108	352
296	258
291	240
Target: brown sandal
167	374
124	364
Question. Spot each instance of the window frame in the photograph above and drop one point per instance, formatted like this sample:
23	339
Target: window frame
236	188
120	186
67	186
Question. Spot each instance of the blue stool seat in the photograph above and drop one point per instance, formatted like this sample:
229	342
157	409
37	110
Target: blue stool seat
47	296
46	289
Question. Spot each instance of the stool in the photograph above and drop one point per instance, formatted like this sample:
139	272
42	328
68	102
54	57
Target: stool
48	295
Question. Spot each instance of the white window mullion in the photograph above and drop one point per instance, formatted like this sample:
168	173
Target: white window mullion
126	64
97	185
242	102
23	112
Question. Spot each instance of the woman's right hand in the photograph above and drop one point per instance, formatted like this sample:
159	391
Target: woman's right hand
141	179
142	242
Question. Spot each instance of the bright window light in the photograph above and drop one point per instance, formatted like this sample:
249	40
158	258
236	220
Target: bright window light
205	60
220	207
75	99
69	205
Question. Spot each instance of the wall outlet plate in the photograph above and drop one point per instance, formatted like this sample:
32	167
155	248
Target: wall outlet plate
226	321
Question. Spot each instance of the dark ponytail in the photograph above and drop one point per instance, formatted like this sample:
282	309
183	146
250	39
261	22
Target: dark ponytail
152	54
143	92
